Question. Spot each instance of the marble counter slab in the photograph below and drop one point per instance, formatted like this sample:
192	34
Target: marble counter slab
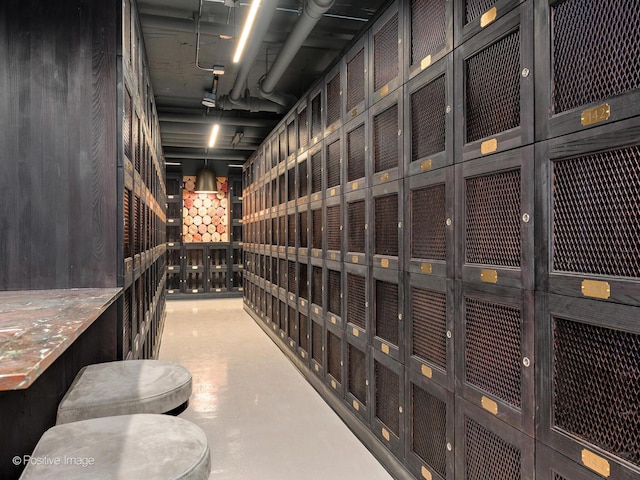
37	326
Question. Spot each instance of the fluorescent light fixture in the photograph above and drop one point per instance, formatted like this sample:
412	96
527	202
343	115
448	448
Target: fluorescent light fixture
235	166
246	30
173	163
214	135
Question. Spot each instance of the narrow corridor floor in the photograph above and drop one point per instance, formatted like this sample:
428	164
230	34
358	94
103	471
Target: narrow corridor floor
263	420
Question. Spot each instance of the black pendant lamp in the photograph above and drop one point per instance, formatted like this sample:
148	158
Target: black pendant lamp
206	181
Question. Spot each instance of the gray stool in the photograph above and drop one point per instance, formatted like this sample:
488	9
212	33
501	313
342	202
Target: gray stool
149	446
124	388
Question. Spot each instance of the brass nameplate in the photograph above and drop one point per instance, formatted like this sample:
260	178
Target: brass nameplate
303	303
356	405
303	355
386	435
354	112
488	17
316	254
384	177
356	332
354	186
426	61
291	344
426	268
315	196
427	371
593	115
426	165
170	268
385	348
489	276
384	263
317	368
332	192
334	256
333	320
194	268
334	385
355	259
489	405
489	146
332	128
316	310
595	289
384	91
194	291
426	474
596	463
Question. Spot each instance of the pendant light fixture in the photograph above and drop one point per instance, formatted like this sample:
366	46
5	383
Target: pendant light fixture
206	181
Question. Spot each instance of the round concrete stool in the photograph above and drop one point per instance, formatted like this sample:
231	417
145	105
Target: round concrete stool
149	446
124	388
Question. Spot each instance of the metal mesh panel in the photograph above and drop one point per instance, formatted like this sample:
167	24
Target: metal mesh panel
428	114
303	281
596	386
316	115
387	397
282	321
429	333
356	306
385	139
492	349
316	172
428	224
274	193
127	322
283	189
355	80
334	232
267	195
292	276
282	230
316	218
355	154
291	184
557	476
334	292
334	105
386	225
126	212
303	234
274	309
316	342
386	312
429	429
475	8
282	139
137	142
385	54
334	356
428	27
136	225
316	285
126	124
493	219
333	164
292	229
304	332
275	152
292	326
356	216
596	203
291	138
303	129
493	88
489	456
591	68
303	185
274	270
274	231
282	273
357	362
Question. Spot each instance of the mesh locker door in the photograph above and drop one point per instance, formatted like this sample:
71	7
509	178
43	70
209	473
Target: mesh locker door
274	231
275	201
355	80
475	9
282	230
303	281
303	186
283	189
291	185
357	365
493	346
303	234
356	154
487	455
334	356
386	312
596	374
333	164
387	394
127	323
126	231
385	139
386	225
385	54
269	307
334	227
282	320
603	188
356	300
275	304
356	216
428	119
493	219
293	325
316	342
291	138
304	332
583	65
429	327
282	273
334	104
291	230
492	88
428	28
267	195
429	429
275	152
316	218
303	128
136	224
428	224
127	124
316	285
316	115
292	276
334	292
282	140
316	172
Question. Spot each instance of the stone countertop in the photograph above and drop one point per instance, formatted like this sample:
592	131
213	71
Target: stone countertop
37	326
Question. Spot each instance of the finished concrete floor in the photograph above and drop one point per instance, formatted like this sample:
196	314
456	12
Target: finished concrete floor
262	419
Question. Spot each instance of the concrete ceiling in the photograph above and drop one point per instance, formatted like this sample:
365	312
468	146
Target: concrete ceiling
179	83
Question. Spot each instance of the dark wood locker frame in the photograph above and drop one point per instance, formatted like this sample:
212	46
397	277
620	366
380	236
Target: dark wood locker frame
304	304
292	343
189	268
397	172
523	418
291	169
315	139
396	352
293	296
336	386
550	463
523	277
463	32
292	118
328	77
330	139
316	310
518	18
175	269
303	157
303	251
363	412
292	249
354	331
360	44
318	147
386	261
333	255
316	252
283	294
314	366
303	106
362	182
356	258
333	318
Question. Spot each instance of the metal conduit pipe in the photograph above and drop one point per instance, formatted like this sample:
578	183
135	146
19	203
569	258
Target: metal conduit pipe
311	13
222	120
250	104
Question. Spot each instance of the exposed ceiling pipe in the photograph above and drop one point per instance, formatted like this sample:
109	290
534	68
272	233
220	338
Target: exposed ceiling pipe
223	120
250	104
202	156
311	13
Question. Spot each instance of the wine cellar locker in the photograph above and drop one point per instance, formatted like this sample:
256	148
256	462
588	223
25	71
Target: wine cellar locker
443	236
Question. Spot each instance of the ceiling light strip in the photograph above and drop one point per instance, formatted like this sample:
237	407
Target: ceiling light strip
214	135
246	30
